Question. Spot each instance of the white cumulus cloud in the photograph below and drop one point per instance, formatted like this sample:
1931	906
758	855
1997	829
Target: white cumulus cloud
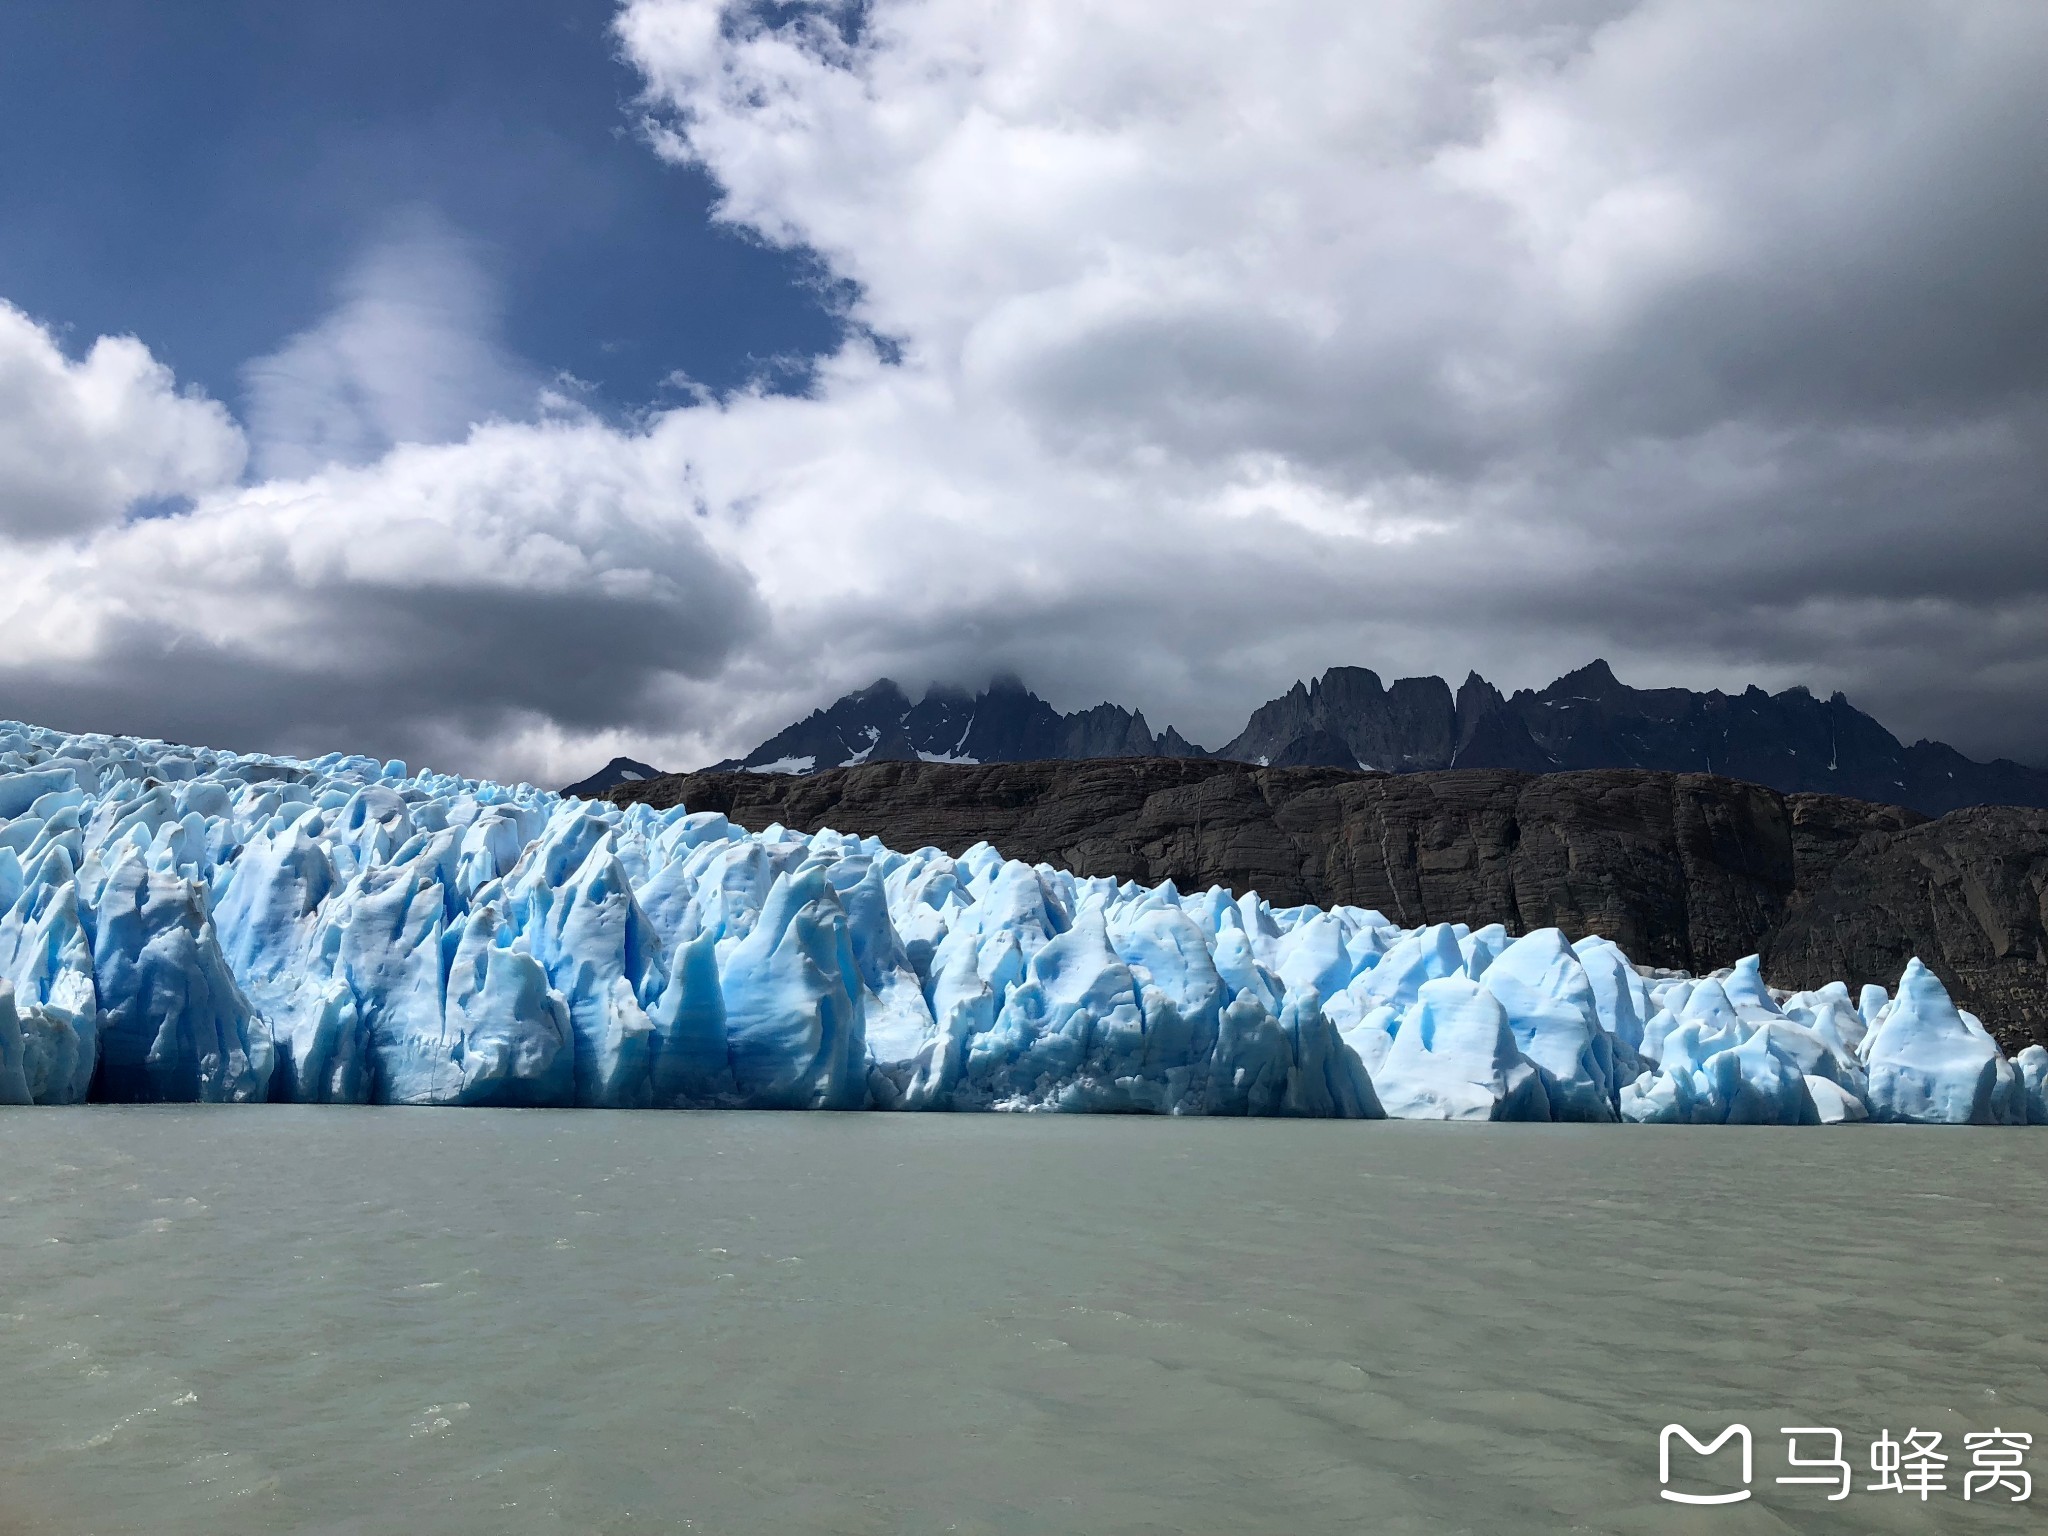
82	441
459	603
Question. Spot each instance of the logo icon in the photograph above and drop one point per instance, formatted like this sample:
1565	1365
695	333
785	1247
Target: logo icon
1739	1432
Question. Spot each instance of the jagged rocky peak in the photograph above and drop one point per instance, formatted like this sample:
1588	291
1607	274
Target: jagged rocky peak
620	770
1490	733
847	731
1400	729
1106	731
1004	722
1595	680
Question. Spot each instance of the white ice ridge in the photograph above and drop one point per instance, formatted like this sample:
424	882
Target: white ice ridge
184	924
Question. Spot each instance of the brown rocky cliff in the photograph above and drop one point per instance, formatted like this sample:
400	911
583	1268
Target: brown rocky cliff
1687	870
1968	893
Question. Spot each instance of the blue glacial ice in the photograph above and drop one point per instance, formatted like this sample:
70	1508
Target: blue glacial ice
1455	1056
185	924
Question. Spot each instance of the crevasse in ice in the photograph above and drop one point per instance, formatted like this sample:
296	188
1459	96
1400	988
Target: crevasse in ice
184	924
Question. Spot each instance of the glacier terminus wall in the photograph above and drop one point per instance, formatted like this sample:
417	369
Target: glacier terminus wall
185	924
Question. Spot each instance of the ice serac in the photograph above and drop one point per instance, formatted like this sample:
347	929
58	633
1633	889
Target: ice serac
1832	1103
174	1025
1455	1058
1425	955
1619	992
13	1058
691	1066
897	1020
183	924
46	957
2032	1065
1293	1064
792	1003
963	1008
1540	984
1929	1066
1732	1057
573	896
506	1032
1063	1034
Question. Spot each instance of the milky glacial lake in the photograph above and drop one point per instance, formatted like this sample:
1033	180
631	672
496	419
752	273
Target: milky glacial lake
465	1321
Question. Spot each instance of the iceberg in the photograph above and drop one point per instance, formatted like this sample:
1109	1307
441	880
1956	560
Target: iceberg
183	924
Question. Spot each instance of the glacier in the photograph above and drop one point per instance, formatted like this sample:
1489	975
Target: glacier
185	924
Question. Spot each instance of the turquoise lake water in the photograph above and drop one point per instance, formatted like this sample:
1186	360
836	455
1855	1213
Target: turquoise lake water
328	1320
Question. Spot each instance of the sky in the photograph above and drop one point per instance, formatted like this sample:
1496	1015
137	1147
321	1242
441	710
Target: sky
503	385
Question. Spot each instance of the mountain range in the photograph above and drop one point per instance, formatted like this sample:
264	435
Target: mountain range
1347	718
1004	723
